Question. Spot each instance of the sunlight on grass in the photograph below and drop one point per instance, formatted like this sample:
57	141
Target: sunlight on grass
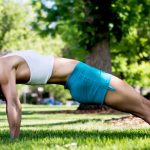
60	131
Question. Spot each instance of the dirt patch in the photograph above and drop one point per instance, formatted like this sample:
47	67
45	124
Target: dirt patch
128	120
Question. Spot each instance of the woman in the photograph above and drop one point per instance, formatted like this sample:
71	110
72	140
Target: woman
86	84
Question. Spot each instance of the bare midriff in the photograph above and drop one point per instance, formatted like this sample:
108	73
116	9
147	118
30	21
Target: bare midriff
62	69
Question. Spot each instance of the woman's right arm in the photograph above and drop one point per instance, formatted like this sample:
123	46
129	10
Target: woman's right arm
13	106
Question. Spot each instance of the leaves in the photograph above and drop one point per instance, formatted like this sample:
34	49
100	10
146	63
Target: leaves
16	33
83	24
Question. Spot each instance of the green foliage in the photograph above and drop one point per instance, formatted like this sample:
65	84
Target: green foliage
88	22
11	19
134	73
130	57
16	33
83	24
58	91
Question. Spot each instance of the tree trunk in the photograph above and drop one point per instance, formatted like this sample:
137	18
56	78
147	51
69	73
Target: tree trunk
99	58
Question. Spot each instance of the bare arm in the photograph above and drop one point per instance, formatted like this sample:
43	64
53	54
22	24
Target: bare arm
13	106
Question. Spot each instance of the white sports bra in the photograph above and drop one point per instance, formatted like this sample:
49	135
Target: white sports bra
40	66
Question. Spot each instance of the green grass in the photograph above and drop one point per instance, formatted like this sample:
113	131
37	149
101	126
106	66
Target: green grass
42	129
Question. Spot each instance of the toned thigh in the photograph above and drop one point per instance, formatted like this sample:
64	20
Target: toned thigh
125	98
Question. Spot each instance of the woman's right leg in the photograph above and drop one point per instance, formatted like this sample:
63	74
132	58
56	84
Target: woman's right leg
126	99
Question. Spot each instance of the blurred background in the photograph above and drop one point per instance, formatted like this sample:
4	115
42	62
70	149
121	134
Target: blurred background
111	35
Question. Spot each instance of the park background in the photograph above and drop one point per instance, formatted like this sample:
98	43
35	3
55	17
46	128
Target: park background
111	35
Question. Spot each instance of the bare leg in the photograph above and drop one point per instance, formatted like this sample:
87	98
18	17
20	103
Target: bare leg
126	99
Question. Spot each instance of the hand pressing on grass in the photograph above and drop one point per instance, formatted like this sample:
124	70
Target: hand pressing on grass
14	118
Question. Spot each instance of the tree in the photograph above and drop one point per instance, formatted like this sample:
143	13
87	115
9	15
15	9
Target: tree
16	32
92	25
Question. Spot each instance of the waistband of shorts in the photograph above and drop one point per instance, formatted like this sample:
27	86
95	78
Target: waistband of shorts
76	72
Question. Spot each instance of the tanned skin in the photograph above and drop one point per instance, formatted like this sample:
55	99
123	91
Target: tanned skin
14	70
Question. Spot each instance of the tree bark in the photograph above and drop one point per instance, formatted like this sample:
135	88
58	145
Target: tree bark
99	58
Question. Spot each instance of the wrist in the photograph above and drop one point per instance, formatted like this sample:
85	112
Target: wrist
14	133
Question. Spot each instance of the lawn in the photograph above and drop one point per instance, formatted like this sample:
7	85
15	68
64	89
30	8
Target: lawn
43	128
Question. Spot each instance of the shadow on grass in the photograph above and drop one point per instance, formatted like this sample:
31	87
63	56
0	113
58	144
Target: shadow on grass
63	123
24	113
2	113
76	135
49	112
1	120
59	123
27	112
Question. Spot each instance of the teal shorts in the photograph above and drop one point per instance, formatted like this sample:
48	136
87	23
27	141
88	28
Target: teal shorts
88	84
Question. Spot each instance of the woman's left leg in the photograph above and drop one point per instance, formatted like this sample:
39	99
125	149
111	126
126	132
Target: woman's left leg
126	99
